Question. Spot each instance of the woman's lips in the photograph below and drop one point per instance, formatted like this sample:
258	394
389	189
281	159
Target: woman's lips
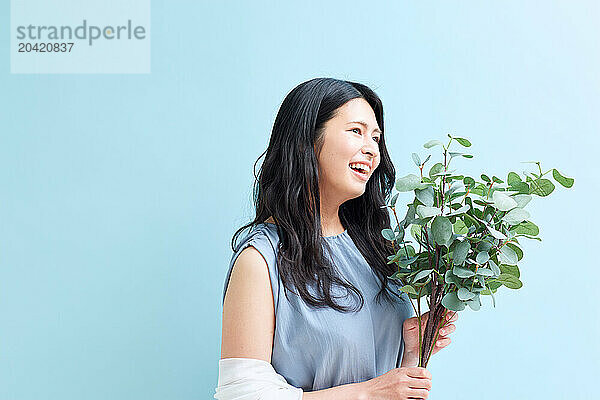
359	175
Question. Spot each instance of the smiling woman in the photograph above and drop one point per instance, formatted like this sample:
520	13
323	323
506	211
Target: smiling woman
299	279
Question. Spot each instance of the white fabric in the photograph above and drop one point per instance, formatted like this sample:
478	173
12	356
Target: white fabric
252	379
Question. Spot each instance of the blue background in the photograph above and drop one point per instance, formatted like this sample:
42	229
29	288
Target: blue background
119	193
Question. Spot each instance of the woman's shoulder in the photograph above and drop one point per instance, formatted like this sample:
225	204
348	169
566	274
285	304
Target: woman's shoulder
261	233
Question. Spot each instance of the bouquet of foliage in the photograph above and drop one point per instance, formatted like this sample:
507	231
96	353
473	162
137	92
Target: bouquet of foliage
467	234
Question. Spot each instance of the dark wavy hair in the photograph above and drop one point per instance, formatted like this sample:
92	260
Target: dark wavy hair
287	188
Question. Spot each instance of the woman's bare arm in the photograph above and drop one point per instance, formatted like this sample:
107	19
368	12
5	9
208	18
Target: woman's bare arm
249	320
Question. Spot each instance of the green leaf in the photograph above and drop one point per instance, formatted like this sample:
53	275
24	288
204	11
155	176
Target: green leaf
485	272
527	228
408	289
507	256
495	269
388	234
510	270
462	272
407	261
484	245
393	202
474	303
460	252
409	183
467	155
435	169
517	250
422	274
513	177
482	257
516	216
449	278
424	211
459	211
531	237
416	159
486	178
495	233
452	302
463	141
468	181
520	187
522	199
503	202
425	196
510	281
563	180
432	143
415	232
460	227
441	229
464	294
541	187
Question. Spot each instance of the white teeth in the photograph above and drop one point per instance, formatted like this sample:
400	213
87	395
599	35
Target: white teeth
363	167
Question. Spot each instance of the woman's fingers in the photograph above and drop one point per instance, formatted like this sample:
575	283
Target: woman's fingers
448	329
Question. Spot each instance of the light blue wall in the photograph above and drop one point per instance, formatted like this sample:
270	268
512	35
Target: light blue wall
120	193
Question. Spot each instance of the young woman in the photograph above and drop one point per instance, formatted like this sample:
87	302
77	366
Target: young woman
308	309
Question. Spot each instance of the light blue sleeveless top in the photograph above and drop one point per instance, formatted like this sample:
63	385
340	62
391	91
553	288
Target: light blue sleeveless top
316	349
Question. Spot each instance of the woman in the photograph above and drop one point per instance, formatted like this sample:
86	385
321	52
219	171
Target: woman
303	316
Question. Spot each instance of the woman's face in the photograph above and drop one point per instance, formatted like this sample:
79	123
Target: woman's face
348	140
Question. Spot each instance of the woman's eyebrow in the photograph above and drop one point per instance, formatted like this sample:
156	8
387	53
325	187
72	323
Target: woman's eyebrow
363	123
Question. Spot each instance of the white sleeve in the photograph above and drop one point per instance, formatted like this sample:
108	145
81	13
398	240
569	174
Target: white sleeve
252	379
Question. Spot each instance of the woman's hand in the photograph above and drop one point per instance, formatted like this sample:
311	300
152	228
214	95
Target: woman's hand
410	334
397	384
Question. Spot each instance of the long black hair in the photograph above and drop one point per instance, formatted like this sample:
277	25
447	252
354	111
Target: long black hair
287	188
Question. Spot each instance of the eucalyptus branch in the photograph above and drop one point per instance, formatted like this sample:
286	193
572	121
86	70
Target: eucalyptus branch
479	246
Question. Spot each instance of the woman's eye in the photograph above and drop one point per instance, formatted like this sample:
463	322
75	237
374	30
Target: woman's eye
377	139
355	129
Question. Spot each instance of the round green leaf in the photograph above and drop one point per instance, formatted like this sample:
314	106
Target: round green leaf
435	169
408	183
527	228
462	272
474	303
513	177
516	216
522	199
425	212
388	234
482	257
460	227
507	256
441	229
517	250
464	294
541	187
452	302
460	252
425	196
502	201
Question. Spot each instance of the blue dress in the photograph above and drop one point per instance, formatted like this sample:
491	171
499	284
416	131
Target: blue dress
316	349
